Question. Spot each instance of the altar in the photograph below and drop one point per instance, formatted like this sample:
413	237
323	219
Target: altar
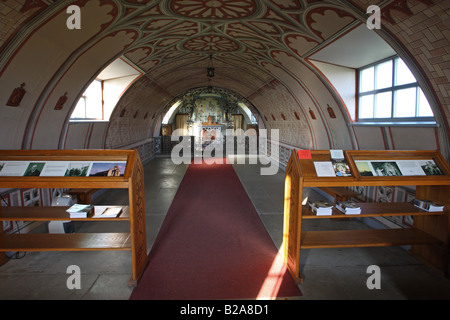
210	132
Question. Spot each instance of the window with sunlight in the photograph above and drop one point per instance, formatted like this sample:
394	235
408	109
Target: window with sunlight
90	105
388	91
100	98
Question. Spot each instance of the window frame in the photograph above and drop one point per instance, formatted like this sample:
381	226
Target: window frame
393	89
85	98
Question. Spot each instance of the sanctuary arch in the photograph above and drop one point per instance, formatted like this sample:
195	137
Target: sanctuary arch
207	113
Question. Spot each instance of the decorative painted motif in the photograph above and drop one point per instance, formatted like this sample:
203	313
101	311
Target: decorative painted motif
16	96
249	30
211	43
33	4
398	5
325	22
331	112
214	9
61	101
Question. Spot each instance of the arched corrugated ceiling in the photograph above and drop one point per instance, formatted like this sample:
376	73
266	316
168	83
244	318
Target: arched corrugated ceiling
261	51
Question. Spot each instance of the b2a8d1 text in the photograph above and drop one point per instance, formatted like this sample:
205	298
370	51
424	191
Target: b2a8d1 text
227	309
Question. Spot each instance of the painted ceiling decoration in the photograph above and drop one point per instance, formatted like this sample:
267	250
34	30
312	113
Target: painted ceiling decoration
245	30
236	32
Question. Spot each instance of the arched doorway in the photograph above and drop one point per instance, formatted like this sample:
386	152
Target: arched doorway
207	114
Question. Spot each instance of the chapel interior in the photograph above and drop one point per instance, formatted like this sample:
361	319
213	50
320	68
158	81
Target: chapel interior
138	75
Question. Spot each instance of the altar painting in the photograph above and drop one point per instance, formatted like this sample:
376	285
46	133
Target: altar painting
205	107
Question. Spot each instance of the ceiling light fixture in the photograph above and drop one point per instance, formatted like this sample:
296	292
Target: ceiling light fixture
210	70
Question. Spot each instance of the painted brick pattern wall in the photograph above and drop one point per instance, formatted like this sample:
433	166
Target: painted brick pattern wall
10	18
133	118
426	35
280	111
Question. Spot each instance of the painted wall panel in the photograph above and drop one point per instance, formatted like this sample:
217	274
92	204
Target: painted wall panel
343	80
320	134
97	135
40	56
370	138
320	100
73	81
135	113
408	138
77	135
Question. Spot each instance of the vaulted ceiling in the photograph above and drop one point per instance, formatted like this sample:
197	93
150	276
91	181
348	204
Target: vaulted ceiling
262	50
244	37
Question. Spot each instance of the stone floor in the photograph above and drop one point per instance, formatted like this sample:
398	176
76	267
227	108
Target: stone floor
332	274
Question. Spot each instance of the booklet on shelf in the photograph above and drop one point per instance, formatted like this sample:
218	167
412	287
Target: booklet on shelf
341	168
324	169
321	208
428	205
107	211
348	207
79	210
340	165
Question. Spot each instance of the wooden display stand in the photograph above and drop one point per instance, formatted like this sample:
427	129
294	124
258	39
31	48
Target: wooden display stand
3	258
84	196
132	179
429	236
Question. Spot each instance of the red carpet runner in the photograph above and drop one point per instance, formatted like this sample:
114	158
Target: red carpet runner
213	245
